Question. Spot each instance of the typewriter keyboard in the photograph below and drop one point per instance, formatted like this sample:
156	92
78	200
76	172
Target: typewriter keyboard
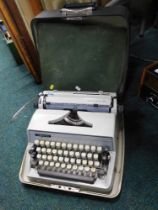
72	161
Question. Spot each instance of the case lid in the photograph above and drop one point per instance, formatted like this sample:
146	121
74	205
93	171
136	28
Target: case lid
84	48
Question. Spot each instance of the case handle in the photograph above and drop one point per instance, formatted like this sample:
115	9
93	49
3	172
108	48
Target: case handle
76	4
76	12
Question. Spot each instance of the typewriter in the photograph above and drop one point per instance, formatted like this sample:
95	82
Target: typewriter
72	143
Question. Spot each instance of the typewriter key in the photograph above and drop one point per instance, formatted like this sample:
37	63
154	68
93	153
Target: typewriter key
63	145
54	151
66	153
81	147
87	148
99	149
66	159
39	156
71	153
38	149
37	142
72	160
83	155
40	163
58	144
90	163
55	158
52	144
84	162
41	143
47	143
44	157
43	150
69	146
49	157
93	148
61	159
51	164
95	156
75	146
96	164
77	154
89	156
49	151
78	161
60	152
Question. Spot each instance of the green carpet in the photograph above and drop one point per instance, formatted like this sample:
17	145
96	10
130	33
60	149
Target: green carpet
140	184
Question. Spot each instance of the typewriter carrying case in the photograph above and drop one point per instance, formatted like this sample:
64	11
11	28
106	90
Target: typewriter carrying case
89	49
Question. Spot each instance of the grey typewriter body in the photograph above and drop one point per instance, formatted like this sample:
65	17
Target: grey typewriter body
78	154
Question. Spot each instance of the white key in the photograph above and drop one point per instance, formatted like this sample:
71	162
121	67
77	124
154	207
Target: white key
84	162
38	149
37	142
93	148
74	167
77	154
80	168
72	160
57	165
99	149
39	156
95	156
69	166
51	164
46	163
66	159
78	161
63	145
96	163
66	153
81	147
69	146
47	144
54	151
87	148
55	158
90	163
71	153
61	159
58	144
89	156
52	144
41	143
63	165
93	171
49	157
75	146
87	169
83	155
40	163
49	151
44	157
43	150
60	152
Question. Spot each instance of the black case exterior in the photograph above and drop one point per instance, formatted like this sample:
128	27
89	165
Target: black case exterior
87	50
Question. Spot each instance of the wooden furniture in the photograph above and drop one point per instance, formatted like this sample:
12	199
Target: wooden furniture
149	84
21	37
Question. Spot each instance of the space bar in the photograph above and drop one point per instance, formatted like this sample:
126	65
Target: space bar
71	177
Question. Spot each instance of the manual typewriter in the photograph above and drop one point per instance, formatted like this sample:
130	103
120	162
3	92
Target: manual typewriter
76	138
72	139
